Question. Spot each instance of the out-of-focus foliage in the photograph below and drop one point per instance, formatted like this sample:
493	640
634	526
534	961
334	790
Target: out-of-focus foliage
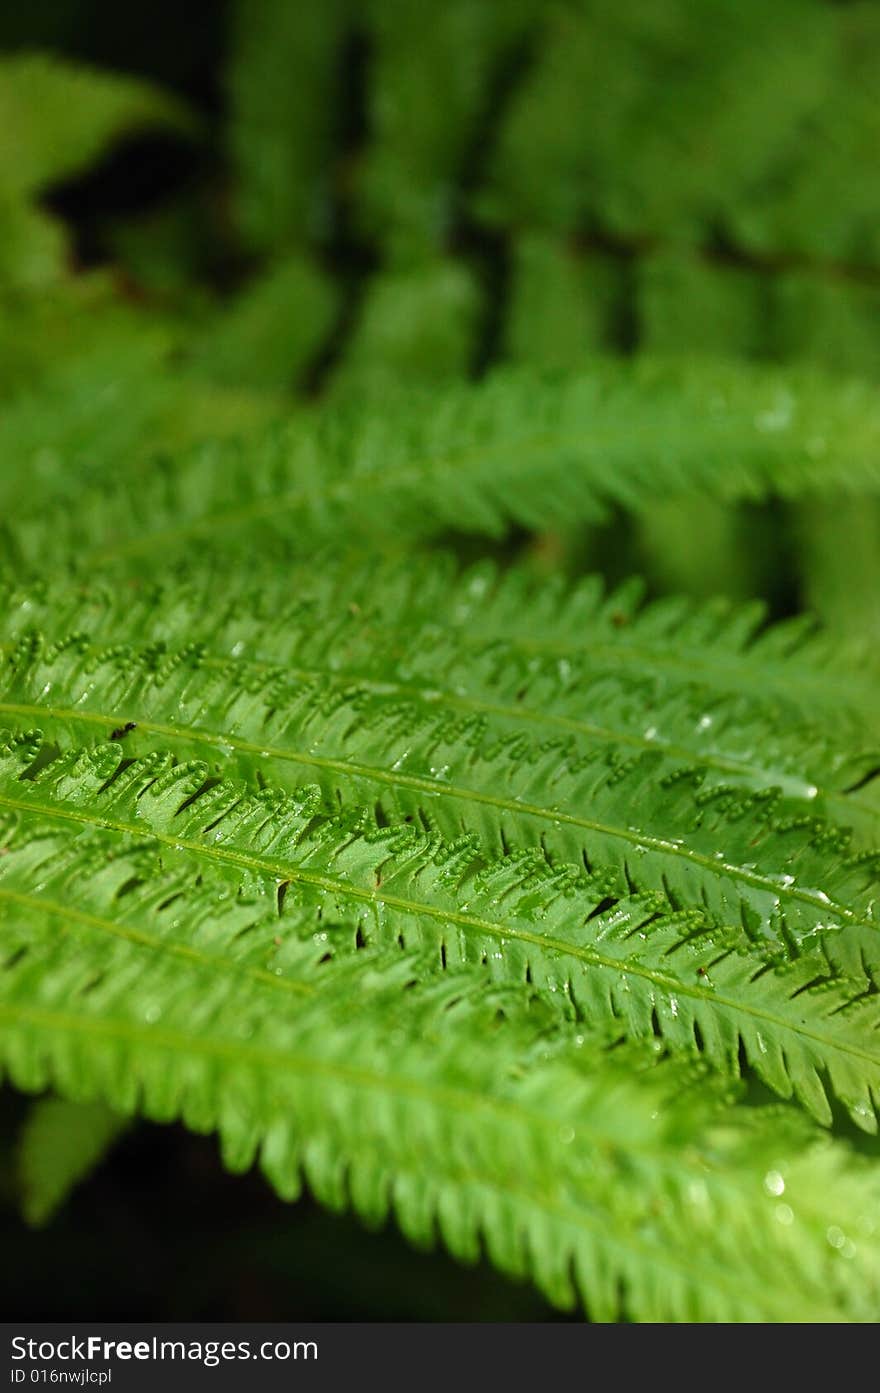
59	1144
55	118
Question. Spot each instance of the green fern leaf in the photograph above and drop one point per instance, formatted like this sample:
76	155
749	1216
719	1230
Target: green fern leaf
632	966
414	326
678	148
422	151
271	332
117	394
59	116
608	769
285	70
365	617
60	1144
519	449
56	117
455	1109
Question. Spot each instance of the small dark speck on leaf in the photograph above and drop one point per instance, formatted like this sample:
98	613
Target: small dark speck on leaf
121	731
277	941
619	619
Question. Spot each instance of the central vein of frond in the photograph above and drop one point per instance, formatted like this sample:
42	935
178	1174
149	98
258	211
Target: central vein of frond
160	945
396	779
468	702
343	889
340	488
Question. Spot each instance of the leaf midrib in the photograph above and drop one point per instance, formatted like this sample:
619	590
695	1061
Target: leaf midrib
342	888
436	697
129	934
345	485
717	868
588	441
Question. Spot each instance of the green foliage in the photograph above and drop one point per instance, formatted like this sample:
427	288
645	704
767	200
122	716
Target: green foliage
61	1143
576	1167
356	804
536	451
284	80
701	126
55	119
562	306
421	151
413	327
269	335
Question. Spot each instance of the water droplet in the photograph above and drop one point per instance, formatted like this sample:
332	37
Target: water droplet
836	1237
785	1214
774	1183
697	1193
566	1135
778	416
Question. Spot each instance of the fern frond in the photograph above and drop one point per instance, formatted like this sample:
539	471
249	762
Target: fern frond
421	149
61	1143
57	117
414	326
410	684
444	1105
489	904
632	967
663	787
284	72
560	306
268	336
368	617
120	396
518	449
718	148
66	114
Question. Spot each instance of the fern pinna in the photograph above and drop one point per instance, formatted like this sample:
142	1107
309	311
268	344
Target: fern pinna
359	804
